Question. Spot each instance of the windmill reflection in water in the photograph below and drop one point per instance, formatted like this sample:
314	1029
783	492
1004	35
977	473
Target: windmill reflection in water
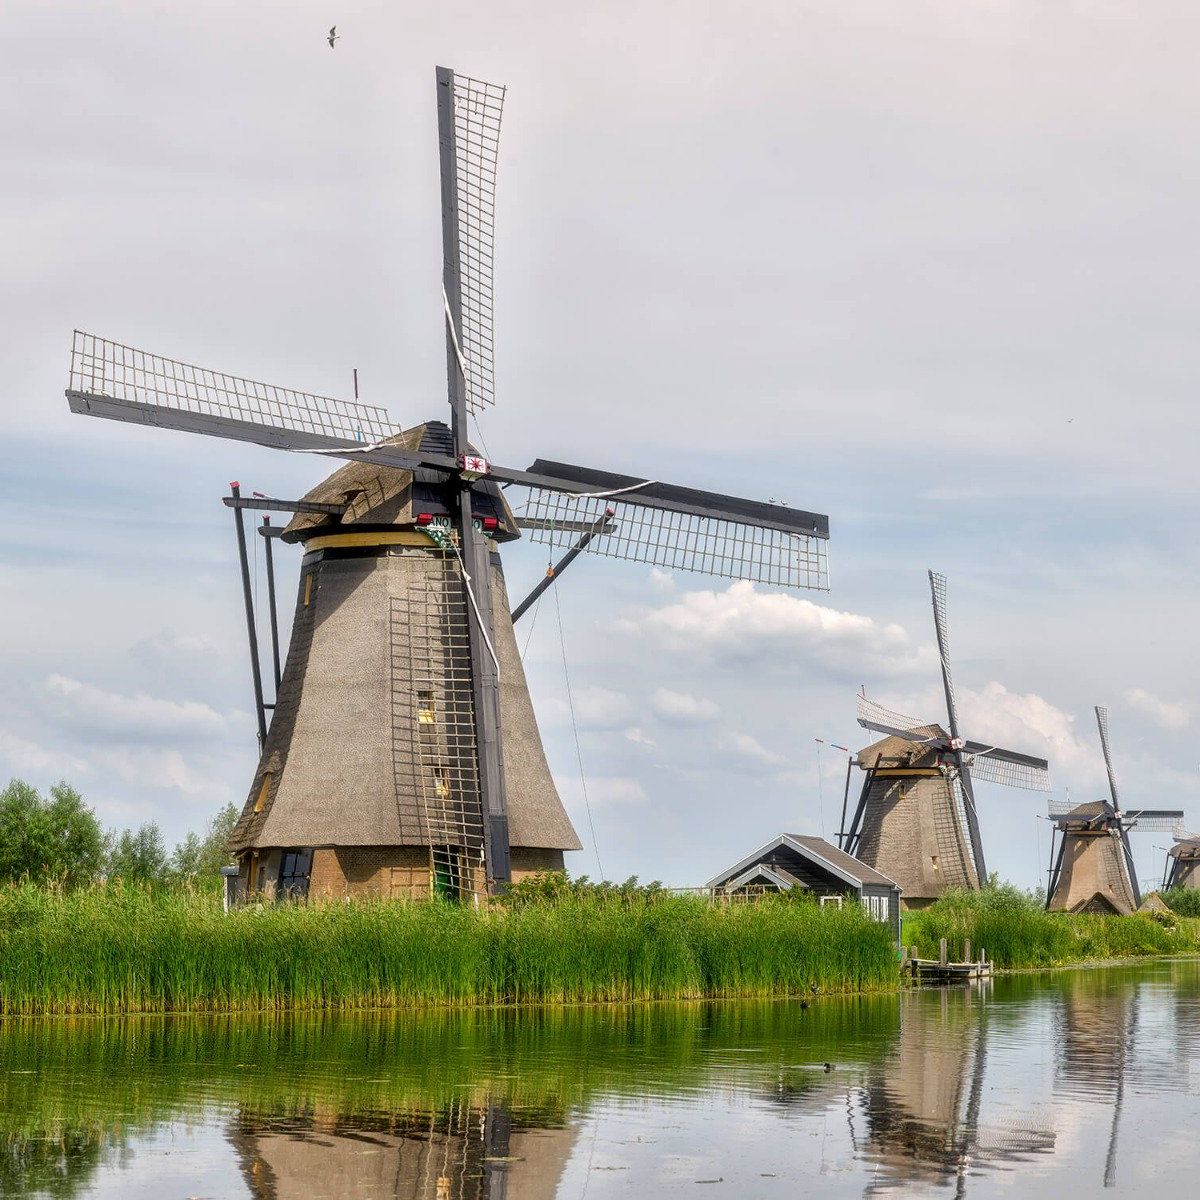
473	1149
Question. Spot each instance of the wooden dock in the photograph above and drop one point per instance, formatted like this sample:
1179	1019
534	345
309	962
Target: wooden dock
942	970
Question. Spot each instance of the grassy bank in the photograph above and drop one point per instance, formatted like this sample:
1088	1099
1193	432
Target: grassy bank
1016	932
123	949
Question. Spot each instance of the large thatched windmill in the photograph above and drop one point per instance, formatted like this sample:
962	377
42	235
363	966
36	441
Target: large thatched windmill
1093	870
402	754
916	820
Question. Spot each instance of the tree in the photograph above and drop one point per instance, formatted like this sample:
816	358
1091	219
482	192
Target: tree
56	839
197	857
138	856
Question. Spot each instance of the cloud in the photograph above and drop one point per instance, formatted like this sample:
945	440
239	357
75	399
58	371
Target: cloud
750	750
638	738
603	791
682	708
1030	724
23	755
595	708
138	717
661	581
1164	713
156	768
773	629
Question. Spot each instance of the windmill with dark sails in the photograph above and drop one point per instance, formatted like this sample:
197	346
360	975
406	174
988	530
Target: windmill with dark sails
916	820
402	755
1093	869
1183	862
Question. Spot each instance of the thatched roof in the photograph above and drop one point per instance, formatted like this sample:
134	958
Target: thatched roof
339	765
380	496
898	751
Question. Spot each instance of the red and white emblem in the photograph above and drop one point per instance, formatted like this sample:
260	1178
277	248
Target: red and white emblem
473	467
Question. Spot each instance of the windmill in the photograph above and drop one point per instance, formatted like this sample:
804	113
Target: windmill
1093	870
402	753
1183	863
916	818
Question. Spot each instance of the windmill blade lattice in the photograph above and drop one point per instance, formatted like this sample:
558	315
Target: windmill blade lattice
680	541
478	108
1001	766
163	391
941	622
1102	723
1154	820
877	717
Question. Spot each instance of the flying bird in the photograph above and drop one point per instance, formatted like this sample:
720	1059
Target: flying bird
333	35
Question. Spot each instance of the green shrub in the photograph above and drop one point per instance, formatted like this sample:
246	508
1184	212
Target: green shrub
1016	932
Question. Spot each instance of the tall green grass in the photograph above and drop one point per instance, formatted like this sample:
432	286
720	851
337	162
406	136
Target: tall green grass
124	949
1015	931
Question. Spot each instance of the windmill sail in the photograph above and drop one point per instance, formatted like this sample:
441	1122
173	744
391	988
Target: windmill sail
471	180
109	379
678	528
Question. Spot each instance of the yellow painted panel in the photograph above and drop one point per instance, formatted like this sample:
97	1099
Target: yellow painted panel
332	541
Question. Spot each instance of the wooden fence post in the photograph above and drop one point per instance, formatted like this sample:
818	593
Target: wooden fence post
943	957
967	950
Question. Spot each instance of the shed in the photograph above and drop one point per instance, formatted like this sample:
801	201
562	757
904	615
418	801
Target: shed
799	860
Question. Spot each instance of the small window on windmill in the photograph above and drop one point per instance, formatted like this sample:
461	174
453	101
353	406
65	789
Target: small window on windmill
426	710
261	798
934	857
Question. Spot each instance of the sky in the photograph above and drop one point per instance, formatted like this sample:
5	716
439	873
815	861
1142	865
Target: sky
928	268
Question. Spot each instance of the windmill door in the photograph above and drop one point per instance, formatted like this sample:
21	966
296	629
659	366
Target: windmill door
447	873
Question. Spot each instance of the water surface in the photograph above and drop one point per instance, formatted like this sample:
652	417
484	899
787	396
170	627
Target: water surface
1069	1084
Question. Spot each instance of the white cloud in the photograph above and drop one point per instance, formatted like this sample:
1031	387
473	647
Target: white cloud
595	708
682	708
638	738
603	791
23	755
156	768
661	581
138	717
743	625
1030	724
750	749
1165	713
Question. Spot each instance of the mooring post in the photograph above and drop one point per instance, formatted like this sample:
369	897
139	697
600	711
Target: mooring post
943	955
967	950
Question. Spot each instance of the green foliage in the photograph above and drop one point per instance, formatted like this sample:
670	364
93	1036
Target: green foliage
56	839
1016	931
122	948
1184	901
552	886
138	856
203	857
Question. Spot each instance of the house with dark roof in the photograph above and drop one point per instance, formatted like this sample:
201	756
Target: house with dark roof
796	860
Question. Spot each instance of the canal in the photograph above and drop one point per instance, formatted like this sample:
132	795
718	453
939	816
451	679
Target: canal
1074	1083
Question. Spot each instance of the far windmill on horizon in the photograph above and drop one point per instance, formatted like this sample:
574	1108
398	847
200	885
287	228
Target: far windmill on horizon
916	819
1093	870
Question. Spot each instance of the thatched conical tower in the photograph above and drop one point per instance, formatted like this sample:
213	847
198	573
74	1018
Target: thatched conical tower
1183	863
1093	875
911	825
367	782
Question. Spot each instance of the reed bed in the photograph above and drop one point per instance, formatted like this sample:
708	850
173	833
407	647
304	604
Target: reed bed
119	949
1017	932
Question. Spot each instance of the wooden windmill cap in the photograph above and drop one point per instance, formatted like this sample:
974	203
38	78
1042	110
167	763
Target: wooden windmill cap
379	496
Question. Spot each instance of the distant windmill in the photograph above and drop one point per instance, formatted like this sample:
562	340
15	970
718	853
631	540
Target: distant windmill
402	754
916	818
1183	863
1093	870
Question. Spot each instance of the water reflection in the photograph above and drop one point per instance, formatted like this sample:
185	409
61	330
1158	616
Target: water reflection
1050	1078
465	1152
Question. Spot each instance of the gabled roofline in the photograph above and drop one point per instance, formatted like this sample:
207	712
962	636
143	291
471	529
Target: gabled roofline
803	851
759	869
